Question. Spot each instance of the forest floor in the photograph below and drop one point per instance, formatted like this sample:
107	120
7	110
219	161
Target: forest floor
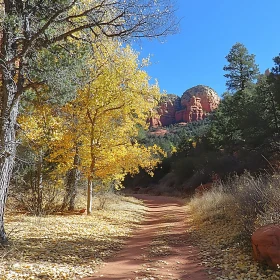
161	248
66	245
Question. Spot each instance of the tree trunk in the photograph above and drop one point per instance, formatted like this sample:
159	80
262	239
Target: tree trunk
72	179
10	91
92	165
39	187
7	156
89	196
71	189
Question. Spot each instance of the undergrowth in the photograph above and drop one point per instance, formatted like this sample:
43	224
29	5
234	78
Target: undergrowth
225	218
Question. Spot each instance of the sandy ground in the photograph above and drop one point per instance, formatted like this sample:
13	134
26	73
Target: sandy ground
159	249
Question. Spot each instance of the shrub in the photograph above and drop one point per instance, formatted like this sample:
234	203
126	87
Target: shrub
212	205
252	201
255	197
39	202
271	213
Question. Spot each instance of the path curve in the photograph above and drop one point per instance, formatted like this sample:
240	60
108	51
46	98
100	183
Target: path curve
159	249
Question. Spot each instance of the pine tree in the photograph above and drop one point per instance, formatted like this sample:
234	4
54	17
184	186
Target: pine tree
274	80
241	67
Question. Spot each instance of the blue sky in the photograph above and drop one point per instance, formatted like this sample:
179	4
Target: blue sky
208	30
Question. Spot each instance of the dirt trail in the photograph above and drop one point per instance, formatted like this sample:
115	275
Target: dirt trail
159	249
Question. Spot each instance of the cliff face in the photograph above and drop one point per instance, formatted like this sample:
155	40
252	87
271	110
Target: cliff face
164	114
193	111
167	110
209	98
194	105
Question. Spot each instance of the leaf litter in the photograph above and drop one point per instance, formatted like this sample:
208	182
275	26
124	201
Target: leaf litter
66	247
223	255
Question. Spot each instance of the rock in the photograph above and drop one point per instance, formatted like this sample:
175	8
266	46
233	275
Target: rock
267	72
164	114
159	132
194	110
193	106
155	121
167	110
209	98
179	116
266	245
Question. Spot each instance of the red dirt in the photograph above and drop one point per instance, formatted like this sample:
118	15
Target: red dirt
159	249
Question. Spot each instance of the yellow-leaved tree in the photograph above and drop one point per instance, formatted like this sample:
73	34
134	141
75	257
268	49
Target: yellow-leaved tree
107	111
96	131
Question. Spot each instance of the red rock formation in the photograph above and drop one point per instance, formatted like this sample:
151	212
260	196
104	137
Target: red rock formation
266	245
155	121
164	115
179	115
193	111
209	98
167	113
193	106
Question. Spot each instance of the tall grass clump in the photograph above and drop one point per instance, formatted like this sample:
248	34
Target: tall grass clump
212	205
256	199
251	201
214	218
224	219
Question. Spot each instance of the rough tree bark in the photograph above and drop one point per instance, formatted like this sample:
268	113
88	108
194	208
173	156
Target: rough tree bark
72	179
11	89
8	151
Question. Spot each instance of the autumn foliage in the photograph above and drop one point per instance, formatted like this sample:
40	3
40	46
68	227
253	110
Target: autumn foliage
100	123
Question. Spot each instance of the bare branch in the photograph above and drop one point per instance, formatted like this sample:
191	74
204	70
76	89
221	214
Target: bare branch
86	12
44	28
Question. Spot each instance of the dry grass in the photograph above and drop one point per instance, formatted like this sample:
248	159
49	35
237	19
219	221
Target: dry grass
214	204
66	246
218	218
